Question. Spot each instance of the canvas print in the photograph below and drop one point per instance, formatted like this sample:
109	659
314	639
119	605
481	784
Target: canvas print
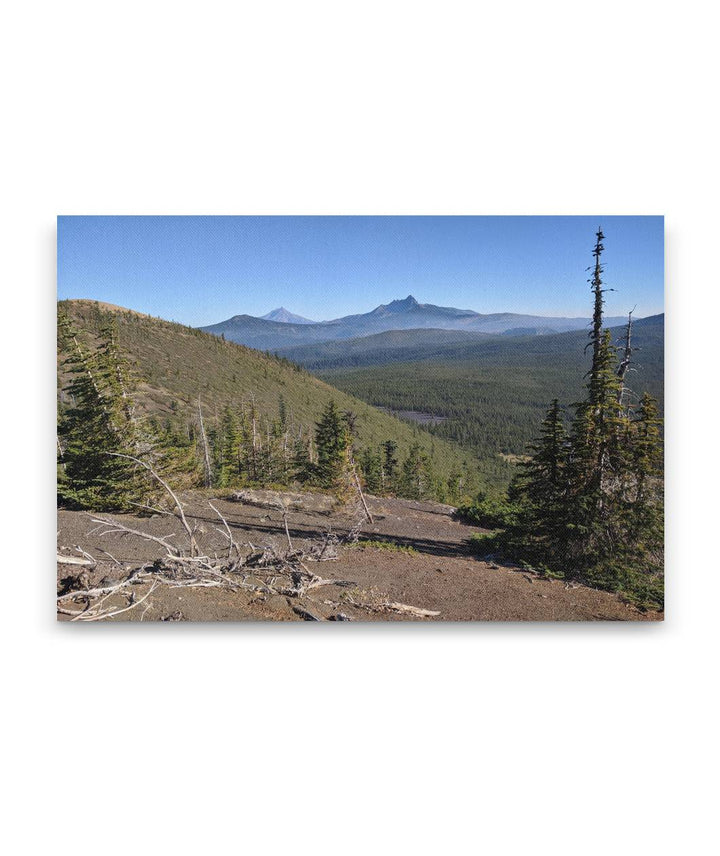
360	418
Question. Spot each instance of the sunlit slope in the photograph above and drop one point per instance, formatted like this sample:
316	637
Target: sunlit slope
175	365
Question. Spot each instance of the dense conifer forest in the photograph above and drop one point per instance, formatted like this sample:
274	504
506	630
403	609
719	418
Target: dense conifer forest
491	394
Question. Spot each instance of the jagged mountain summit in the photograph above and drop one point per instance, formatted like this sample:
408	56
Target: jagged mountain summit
283	316
407	314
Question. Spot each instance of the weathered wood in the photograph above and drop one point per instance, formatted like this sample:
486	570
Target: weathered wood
361	494
411	610
115	526
171	493
206	451
73	560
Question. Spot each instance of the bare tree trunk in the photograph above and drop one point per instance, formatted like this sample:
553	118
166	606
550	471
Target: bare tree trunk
625	362
206	451
359	489
254	441
286	473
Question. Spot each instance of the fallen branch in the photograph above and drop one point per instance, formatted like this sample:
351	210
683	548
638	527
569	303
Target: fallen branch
233	545
115	526
264	570
393	606
120	611
74	560
412	610
166	486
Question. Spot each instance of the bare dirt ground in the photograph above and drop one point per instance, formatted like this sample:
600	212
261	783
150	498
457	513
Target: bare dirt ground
438	573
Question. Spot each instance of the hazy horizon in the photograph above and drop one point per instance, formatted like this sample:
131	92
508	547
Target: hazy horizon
203	270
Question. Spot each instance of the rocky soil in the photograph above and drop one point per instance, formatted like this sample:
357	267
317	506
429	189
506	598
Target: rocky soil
413	554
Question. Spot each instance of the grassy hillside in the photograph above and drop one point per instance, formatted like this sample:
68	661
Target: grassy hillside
492	391
176	364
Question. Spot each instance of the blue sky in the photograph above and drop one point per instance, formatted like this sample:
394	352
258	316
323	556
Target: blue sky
200	270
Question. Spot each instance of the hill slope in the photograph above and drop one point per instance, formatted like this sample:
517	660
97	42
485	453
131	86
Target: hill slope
405	314
175	365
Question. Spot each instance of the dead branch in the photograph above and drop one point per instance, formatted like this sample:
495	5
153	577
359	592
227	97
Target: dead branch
74	560
233	545
359	489
283	509
170	491
394	606
86	555
115	526
264	570
206	452
135	603
110	556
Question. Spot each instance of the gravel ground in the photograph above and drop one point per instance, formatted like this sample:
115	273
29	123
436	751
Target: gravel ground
437	573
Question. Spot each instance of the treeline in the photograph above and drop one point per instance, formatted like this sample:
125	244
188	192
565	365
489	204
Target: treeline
102	437
588	502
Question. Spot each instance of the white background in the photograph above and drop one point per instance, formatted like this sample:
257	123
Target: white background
388	739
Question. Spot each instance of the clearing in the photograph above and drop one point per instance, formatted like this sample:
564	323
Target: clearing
417	556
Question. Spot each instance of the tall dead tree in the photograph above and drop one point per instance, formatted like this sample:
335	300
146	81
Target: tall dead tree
253	420
206	449
627	353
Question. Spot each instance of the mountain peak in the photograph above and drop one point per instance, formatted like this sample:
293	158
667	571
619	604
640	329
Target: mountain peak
282	316
408	303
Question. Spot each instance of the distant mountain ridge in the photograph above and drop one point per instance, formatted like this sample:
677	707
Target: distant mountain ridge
272	333
402	346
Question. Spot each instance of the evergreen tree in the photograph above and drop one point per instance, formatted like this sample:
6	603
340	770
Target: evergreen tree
416	480
332	438
590	505
227	467
98	424
389	466
646	523
370	465
301	466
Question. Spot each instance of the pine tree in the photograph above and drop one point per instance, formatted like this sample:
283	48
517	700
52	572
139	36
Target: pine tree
646	522
371	469
416	480
332	438
598	291
389	466
301	467
590	504
227	467
98	425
